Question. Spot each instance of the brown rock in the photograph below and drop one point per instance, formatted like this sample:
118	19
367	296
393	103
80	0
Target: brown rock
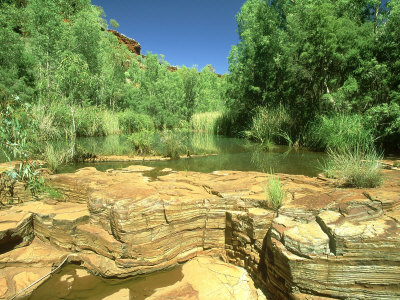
132	45
208	278
323	240
3	287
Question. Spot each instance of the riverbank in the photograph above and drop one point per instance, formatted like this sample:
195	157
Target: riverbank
323	241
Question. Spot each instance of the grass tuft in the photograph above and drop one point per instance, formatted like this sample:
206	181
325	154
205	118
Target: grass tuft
274	193
355	167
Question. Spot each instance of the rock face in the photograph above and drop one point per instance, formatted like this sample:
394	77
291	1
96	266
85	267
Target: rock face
324	241
132	45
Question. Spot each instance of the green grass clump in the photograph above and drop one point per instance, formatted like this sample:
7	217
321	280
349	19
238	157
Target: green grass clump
205	122
274	192
355	167
338	132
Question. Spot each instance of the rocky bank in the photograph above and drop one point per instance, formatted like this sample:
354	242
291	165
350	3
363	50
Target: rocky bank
325	242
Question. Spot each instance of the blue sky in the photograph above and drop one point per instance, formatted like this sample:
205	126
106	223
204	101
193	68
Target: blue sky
187	32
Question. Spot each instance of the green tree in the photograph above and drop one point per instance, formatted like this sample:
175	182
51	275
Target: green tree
114	24
209	94
190	80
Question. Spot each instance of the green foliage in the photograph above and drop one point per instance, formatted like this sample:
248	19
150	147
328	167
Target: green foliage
384	121
55	55
226	124
25	172
172	143
110	123
131	122
94	121
274	193
339	132
52	191
210	91
142	141
114	24
54	157
357	166
316	58
270	126
205	122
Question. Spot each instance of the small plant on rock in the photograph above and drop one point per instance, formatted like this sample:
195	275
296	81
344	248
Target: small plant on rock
274	193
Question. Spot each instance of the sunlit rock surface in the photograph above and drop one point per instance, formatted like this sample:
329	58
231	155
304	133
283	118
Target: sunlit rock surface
205	278
324	241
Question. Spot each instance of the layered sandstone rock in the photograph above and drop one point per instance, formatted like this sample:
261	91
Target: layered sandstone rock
324	241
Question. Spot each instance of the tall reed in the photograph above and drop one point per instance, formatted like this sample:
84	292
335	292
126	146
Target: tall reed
205	122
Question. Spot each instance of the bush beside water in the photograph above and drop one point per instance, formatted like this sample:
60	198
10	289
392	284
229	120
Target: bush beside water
338	132
270	126
355	167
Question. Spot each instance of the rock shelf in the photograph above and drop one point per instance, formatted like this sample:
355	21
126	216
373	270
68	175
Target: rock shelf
324	242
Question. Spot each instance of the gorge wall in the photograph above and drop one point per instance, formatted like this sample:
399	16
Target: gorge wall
325	242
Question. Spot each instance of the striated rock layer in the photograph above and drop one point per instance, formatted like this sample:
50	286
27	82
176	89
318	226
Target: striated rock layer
324	241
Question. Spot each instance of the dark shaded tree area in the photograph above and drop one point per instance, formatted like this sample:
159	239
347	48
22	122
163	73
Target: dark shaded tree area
317	58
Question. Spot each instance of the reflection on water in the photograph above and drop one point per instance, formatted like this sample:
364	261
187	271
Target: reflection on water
233	154
74	283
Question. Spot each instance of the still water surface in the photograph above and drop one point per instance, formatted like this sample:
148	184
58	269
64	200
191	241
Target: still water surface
231	154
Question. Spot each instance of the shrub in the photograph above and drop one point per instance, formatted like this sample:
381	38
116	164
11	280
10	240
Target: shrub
131	121
338	132
88	121
384	121
274	192
355	167
270	126
225	124
142	141
172	143
47	129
